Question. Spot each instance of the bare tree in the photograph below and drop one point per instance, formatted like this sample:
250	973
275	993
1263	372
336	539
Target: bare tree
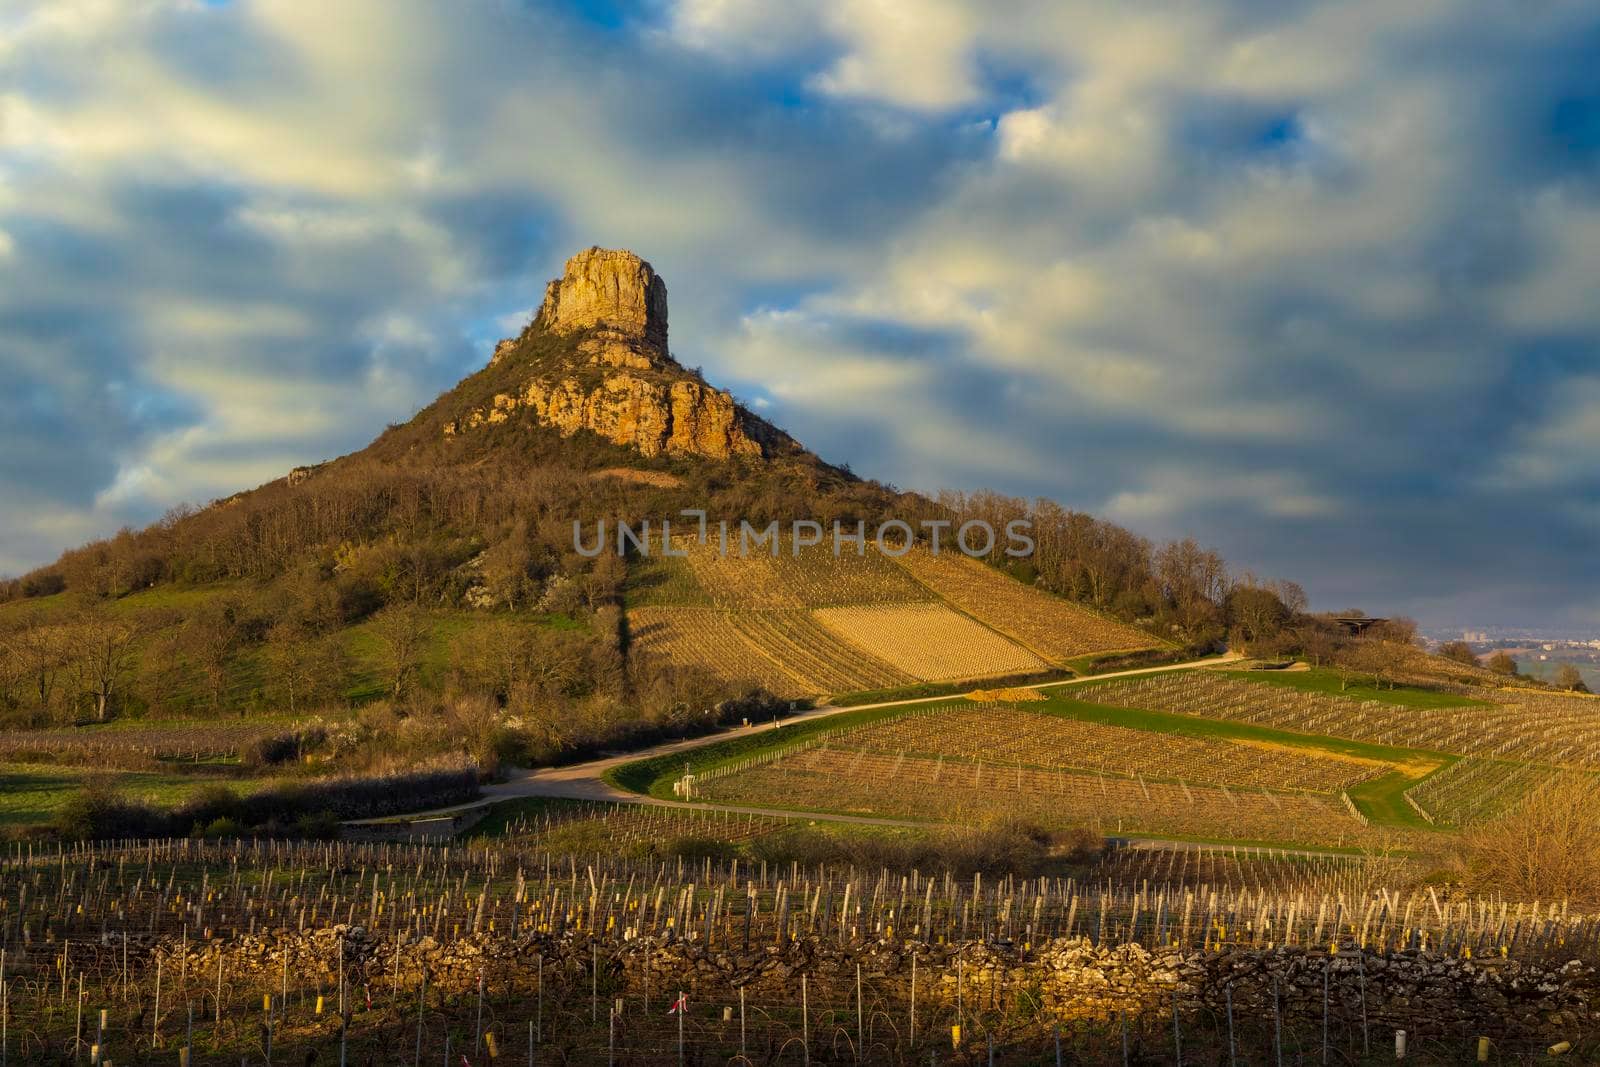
1502	663
306	668
210	639
506	565
1460	652
102	647
36	652
1256	613
402	632
1292	594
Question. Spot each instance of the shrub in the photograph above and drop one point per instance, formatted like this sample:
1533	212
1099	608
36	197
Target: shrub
312	809
1545	846
700	848
98	812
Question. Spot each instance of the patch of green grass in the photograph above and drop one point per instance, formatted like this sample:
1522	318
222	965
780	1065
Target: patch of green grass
369	676
32	794
1327	682
1107	662
501	816
1165	722
1381	800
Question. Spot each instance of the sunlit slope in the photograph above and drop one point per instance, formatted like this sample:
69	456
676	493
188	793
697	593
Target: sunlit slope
818	623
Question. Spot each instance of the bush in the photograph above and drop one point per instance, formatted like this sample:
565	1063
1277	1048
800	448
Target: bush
97	812
313	809
1006	846
1543	847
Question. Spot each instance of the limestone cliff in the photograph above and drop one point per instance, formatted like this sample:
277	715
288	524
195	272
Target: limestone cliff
621	381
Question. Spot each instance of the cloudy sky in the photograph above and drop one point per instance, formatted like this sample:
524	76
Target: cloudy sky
1313	282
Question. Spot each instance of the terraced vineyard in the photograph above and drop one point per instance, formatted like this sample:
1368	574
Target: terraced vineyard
930	642
882	620
859	781
1050	626
1002	735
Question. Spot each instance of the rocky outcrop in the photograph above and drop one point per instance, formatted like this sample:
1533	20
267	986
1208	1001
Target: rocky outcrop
656	417
612	290
643	399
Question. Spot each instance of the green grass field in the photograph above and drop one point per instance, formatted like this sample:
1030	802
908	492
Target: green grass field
32	794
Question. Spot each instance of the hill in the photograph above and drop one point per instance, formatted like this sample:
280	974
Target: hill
431	593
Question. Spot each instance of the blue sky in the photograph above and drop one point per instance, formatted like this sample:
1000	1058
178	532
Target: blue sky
1313	282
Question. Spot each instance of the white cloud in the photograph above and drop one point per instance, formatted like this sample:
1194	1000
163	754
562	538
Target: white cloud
1193	260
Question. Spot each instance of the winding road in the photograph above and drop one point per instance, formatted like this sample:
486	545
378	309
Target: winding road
586	781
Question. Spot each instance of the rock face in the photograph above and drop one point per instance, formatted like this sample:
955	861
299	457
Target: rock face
617	306
613	290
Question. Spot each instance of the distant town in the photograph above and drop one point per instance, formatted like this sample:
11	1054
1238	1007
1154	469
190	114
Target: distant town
1539	653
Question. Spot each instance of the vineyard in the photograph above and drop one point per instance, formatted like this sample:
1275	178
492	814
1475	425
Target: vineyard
814	578
1269	872
862	781
1002	734
633	829
1474	789
1050	626
853	622
1548	728
210	952
930	642
140	746
786	652
709	639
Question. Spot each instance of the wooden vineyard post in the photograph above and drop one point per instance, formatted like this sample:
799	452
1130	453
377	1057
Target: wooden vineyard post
913	1000
344	1019
860	1024
422	999
805	1021
477	1035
